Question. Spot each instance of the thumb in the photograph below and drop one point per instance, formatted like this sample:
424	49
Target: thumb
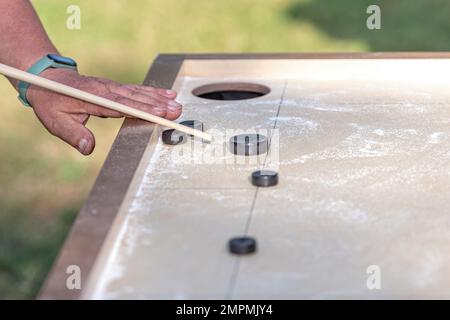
72	130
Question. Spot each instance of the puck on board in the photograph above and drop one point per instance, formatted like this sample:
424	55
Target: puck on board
249	144
264	178
242	245
173	137
195	124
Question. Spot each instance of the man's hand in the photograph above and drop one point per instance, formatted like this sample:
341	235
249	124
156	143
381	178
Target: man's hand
66	117
23	41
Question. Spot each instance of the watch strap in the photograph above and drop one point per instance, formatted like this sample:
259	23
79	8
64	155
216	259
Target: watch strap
40	66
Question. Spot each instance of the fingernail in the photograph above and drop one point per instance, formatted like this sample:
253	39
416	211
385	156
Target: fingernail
174	109
170	92
174	106
82	145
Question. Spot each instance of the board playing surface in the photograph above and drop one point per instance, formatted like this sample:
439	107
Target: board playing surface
362	148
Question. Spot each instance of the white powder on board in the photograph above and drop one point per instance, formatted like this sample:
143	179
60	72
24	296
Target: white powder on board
365	141
435	137
432	261
300	123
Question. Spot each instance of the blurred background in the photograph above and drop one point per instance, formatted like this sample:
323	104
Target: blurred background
44	182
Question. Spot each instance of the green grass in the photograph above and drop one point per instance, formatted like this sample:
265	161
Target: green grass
43	182
407	25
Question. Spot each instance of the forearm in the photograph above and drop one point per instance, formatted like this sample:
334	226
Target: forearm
23	39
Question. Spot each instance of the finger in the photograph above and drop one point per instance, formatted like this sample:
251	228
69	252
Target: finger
164	92
102	112
154	107
145	96
72	130
167	92
150	102
99	111
172	110
150	108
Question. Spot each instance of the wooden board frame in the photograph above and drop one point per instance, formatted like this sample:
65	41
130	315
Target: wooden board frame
96	217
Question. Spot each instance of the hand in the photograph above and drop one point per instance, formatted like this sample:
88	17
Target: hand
66	117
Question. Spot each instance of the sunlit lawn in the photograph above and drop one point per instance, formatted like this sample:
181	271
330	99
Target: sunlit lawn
43	182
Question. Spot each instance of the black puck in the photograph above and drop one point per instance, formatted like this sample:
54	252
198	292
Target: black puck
194	124
264	178
173	137
249	144
242	245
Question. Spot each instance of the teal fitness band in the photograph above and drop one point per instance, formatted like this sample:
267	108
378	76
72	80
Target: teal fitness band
49	61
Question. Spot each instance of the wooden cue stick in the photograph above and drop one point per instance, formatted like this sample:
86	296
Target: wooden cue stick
92	98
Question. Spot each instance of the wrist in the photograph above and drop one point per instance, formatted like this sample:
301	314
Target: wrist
60	75
28	61
49	61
